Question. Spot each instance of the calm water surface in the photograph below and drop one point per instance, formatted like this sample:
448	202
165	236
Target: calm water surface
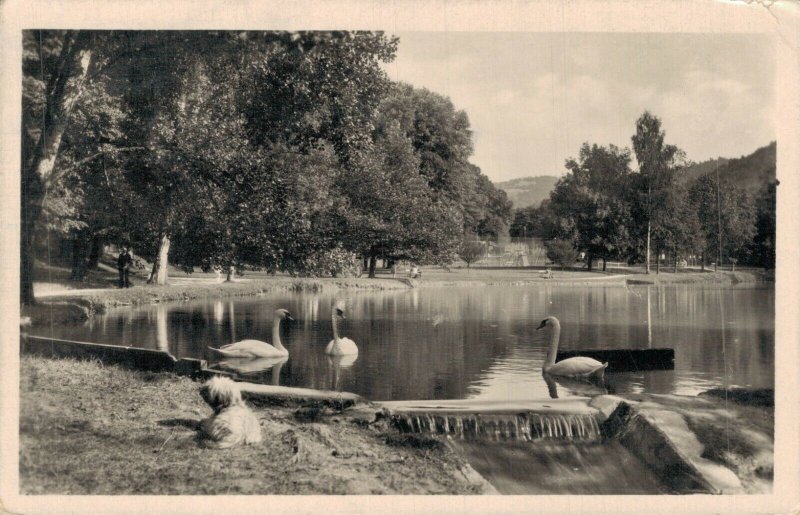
458	342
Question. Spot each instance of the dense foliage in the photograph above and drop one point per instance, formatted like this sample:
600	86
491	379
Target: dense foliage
288	151
605	210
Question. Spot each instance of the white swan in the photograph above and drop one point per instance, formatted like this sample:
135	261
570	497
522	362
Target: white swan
256	348
339	346
571	367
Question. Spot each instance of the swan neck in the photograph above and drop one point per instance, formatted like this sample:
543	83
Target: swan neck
276	334
555	335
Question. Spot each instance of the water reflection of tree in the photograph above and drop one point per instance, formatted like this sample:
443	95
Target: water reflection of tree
162	334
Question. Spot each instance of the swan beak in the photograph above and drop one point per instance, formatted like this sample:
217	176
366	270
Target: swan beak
289	317
343	317
544	323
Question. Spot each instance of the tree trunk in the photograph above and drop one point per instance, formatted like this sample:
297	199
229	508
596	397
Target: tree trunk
703	261
95	253
31	208
78	258
63	90
153	272
163	260
230	274
589	260
647	252
676	263
372	262
604	264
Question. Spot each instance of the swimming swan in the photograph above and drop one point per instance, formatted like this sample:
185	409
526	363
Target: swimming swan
580	366
339	346
256	348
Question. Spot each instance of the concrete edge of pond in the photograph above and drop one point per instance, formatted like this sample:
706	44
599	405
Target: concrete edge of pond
141	359
662	439
266	395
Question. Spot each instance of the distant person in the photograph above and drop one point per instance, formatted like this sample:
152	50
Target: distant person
124	263
415	272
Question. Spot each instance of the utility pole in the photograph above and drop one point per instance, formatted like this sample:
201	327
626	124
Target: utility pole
719	225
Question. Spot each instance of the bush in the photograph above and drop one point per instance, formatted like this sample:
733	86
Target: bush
335	262
471	250
561	252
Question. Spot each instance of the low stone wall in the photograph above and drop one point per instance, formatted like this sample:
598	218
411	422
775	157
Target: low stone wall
141	359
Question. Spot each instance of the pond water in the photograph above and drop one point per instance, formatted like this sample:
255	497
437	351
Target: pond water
468	342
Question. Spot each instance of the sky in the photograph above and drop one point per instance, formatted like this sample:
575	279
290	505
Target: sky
534	98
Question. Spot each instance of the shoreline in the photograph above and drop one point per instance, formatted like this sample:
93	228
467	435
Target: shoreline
73	439
78	305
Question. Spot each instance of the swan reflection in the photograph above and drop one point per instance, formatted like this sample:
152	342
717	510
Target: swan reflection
337	365
246	366
579	387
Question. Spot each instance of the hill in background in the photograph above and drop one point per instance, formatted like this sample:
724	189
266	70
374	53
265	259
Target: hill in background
751	172
528	191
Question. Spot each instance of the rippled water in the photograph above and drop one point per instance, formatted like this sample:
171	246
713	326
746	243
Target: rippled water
468	342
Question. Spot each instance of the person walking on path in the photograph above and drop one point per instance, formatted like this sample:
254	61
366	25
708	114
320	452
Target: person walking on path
124	262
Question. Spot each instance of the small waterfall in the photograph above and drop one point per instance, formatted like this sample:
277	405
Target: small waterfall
502	427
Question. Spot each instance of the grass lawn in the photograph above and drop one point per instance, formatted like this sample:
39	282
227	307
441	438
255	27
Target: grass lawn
86	428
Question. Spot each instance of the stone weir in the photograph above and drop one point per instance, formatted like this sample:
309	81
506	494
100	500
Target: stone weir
656	435
568	419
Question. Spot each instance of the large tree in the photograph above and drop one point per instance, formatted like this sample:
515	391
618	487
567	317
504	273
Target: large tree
763	249
391	210
726	217
677	229
590	203
56	65
657	162
442	140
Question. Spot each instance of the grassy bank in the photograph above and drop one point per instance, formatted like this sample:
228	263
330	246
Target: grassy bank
86	428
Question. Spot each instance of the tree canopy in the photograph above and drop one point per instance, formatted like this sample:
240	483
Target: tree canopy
603	208
286	151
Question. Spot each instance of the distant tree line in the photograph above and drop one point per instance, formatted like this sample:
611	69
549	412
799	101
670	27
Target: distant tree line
605	209
283	151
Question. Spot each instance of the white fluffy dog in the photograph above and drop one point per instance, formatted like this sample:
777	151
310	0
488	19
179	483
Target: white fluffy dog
232	423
